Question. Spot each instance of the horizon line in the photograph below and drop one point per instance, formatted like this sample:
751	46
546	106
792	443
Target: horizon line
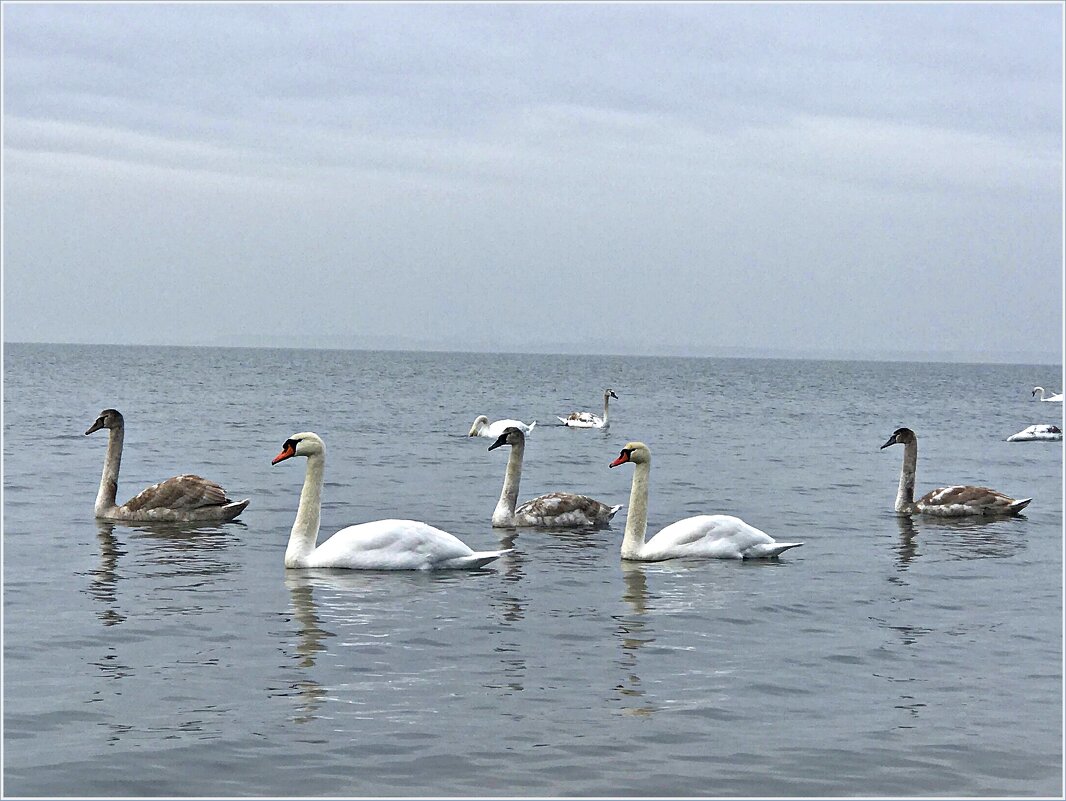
767	354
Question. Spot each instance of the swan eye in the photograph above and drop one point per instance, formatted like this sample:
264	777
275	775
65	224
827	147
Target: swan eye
290	444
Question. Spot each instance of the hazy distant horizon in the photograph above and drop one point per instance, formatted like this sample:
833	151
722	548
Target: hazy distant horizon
573	349
868	180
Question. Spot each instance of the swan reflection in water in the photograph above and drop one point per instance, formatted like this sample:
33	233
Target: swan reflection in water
633	633
179	548
959	538
310	641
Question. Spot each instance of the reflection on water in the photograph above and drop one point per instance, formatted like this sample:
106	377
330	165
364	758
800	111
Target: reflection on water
908	544
960	537
310	641
633	633
103	584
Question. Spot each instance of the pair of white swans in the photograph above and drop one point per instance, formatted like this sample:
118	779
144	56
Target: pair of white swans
955	501
1054	398
408	544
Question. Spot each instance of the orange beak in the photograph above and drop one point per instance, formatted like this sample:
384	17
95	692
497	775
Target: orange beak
287	453
622	459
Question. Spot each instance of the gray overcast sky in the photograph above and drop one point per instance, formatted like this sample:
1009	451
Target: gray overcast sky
864	179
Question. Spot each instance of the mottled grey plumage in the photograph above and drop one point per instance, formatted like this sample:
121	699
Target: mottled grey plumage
554	510
954	501
184	498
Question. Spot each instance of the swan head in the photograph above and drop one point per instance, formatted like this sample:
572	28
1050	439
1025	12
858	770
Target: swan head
510	436
306	443
635	452
479	423
901	436
1038	389
609	393
108	418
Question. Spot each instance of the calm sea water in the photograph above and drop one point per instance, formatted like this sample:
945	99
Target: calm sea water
884	657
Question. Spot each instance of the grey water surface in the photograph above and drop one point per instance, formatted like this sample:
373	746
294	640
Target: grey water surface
886	656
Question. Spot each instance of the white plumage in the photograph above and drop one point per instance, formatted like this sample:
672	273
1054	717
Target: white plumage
703	536
378	545
483	428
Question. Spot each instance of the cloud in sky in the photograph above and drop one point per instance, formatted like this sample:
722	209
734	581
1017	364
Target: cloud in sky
679	178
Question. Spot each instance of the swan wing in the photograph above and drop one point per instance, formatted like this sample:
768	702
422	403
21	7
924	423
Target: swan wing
966	500
564	510
396	545
181	493
713	536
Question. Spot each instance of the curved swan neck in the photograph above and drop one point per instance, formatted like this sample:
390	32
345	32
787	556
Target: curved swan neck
304	534
905	495
637	518
504	513
105	497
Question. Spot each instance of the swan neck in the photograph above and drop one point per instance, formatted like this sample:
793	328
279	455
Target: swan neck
504	513
105	497
304	534
905	495
637	517
606	401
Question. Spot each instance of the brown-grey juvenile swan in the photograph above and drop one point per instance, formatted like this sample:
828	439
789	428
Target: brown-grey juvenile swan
483	428
955	501
181	499
554	510
588	419
378	545
700	537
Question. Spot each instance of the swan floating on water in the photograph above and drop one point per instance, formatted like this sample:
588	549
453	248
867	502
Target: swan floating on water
1037	433
956	501
588	419
554	510
483	428
1051	399
379	545
703	536
180	499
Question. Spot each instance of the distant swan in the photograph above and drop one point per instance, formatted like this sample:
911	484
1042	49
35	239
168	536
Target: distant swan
1051	399
554	510
588	419
1037	433
703	536
956	501
483	428
380	545
181	499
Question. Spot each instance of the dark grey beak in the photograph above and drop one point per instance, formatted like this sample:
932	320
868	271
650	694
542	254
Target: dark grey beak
891	441
94	427
500	440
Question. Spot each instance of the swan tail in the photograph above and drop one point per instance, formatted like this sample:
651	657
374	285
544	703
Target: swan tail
1017	506
769	550
561	419
476	559
532	425
231	510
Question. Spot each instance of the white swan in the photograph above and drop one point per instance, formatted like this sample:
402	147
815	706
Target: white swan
483	428
588	419
1037	433
703	536
380	545
956	501
1051	399
181	499
554	510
